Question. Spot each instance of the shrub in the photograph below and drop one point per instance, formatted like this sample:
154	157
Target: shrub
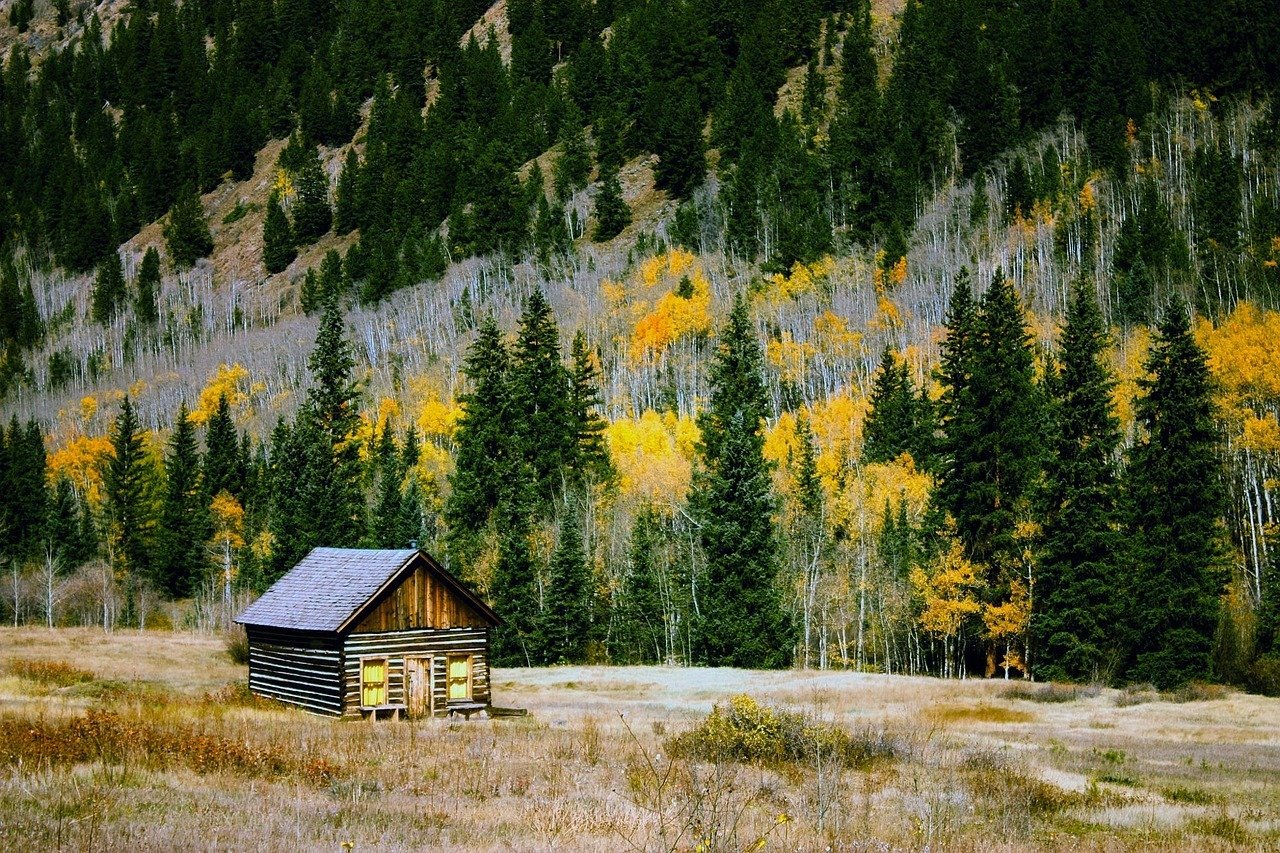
1264	675
750	732
54	673
1054	692
237	645
1198	691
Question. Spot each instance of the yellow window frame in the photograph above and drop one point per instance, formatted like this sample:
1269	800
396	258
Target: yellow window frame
459	677
373	682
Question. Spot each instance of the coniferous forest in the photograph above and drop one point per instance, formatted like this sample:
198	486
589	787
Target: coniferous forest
936	336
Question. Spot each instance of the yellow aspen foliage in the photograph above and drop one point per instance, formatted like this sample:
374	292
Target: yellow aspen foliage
947	590
790	358
675	315
282	184
79	460
834	336
1007	622
800	280
229	379
1243	351
858	504
437	418
88	408
263	546
653	455
1127	359
228	521
1088	197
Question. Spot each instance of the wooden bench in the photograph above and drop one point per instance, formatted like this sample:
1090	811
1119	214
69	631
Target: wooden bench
466	709
395	710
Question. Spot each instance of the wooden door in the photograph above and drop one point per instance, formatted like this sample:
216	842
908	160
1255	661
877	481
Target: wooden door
417	687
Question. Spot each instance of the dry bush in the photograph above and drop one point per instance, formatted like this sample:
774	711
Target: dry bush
236	642
1198	691
981	713
111	739
750	732
1137	694
1054	692
53	673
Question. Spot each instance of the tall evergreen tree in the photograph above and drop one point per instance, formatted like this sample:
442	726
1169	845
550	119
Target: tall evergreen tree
483	438
1078	598
743	623
1176	512
180	560
222	469
148	284
611	210
544	429
108	289
347	211
278	245
185	232
891	427
127	490
312	216
641	632
566	615
591	456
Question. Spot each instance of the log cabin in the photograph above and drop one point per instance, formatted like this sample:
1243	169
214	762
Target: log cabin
354	632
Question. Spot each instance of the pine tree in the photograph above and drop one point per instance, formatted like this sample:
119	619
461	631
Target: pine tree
1176	512
573	166
127	489
743	623
1078	599
312	216
590	454
566	622
611	210
545	430
388	514
682	160
891	427
185	232
222	468
514	588
484	441
347	210
641	630
108	289
180	561
331	409
278	245
145	308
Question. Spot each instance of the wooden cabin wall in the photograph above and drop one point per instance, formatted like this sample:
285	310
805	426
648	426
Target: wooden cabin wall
395	645
296	667
419	600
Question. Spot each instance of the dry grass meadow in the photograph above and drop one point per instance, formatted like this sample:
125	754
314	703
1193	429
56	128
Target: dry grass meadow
148	741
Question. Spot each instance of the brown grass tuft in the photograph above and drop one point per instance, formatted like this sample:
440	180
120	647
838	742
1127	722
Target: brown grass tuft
981	713
53	673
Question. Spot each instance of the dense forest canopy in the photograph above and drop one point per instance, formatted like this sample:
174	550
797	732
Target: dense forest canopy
931	336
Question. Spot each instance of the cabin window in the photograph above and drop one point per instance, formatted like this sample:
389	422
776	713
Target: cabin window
373	682
459	677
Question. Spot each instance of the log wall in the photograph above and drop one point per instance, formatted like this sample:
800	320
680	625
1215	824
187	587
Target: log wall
297	667
395	645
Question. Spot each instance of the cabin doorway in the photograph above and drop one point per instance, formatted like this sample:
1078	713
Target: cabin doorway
419	691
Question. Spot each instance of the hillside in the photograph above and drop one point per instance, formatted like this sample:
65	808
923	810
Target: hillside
843	167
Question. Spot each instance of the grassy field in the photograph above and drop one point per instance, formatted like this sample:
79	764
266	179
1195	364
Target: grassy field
149	741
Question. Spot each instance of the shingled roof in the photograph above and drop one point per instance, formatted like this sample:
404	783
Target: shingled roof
331	585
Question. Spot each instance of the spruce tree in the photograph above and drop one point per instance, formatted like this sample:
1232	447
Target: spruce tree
185	232
566	619
127	490
545	432
890	428
148	282
573	166
108	289
222	469
278	245
1177	503
611	210
347	211
484	441
1078	598
641	630
682	160
312	216
517	642
331	409
388	514
180	561
591	456
743	623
